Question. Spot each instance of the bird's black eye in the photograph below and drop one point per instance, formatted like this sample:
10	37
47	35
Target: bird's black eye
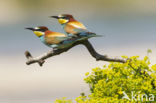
64	17
40	30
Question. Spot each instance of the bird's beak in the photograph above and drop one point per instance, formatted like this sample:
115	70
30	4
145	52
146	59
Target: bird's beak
30	29
56	17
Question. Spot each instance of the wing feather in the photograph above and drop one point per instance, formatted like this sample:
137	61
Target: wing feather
69	28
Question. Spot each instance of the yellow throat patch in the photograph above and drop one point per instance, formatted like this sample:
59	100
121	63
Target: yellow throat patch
62	21
38	33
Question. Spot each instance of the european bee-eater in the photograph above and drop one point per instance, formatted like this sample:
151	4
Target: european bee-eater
52	39
74	27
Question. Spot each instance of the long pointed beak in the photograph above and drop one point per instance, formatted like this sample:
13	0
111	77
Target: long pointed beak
30	29
56	17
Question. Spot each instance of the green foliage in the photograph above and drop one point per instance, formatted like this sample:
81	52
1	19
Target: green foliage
63	100
149	51
108	84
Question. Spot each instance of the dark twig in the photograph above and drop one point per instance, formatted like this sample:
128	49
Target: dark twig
41	59
98	56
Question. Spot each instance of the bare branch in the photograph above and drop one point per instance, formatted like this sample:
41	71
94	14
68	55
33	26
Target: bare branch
41	59
98	56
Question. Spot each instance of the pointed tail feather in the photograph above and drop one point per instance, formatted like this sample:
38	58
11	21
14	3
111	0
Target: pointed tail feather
96	35
87	37
90	34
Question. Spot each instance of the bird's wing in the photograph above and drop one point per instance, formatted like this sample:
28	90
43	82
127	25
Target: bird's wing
85	34
69	27
77	24
79	30
54	37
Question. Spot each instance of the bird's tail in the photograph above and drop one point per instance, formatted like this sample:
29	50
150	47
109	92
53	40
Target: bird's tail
90	35
87	36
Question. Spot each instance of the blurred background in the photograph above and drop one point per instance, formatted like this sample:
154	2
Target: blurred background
128	26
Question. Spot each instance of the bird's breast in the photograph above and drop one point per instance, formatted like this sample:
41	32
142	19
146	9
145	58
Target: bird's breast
54	37
52	40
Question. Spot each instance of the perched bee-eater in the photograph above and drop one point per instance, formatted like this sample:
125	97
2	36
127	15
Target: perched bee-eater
52	39
74	27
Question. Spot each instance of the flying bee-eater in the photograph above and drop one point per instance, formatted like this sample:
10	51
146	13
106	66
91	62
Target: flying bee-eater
74	27
53	39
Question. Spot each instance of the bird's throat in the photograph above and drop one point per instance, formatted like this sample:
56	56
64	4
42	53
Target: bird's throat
38	33
62	21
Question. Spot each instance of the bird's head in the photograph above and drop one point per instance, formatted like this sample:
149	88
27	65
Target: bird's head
39	31
64	18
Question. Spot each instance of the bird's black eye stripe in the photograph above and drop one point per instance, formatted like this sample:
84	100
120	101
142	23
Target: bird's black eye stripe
64	17
40	30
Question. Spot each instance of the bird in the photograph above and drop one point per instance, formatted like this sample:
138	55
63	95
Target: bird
53	39
74	28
